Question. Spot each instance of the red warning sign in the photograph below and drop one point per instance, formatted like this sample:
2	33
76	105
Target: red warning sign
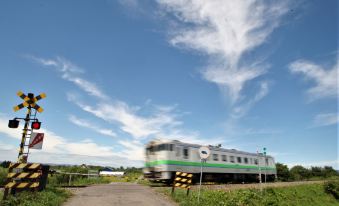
36	140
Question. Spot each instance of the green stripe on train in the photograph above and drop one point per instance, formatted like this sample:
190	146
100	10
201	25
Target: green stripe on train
181	163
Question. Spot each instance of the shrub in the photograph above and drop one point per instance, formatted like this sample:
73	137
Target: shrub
3	175
332	187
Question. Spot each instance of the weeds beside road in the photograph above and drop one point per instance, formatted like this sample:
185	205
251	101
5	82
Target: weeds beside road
300	195
49	197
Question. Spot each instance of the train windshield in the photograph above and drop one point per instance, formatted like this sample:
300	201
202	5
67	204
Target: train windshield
158	148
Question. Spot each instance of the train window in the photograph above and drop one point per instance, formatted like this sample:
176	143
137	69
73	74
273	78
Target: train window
256	161
239	159
161	147
246	160
177	151
232	159
185	153
266	161
215	157
170	147
224	158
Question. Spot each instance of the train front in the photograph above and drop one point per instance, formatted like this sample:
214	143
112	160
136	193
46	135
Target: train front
157	155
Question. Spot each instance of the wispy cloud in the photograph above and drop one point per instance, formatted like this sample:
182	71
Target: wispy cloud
225	31
241	109
141	123
325	119
92	126
131	123
58	149
70	72
326	85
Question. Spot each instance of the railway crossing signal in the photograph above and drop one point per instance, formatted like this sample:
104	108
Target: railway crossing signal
13	123
30	102
23	176
36	125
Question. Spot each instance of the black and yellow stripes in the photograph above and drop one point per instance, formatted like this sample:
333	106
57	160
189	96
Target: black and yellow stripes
20	106
22	185
41	96
31	166
26	175
29	101
183	180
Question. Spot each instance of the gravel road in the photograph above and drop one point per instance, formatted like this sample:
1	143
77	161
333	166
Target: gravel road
123	194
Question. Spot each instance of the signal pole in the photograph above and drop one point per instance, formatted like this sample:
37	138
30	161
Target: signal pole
21	157
265	164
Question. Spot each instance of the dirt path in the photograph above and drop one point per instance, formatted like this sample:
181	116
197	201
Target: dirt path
124	194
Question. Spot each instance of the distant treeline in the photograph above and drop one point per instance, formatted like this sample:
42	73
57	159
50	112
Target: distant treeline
299	172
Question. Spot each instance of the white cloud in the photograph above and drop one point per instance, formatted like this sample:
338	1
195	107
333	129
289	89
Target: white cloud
241	109
127	117
325	119
159	121
69	72
326	85
89	125
226	31
58	149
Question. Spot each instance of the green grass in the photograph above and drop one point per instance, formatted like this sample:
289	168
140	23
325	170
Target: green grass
3	175
302	195
48	197
63	180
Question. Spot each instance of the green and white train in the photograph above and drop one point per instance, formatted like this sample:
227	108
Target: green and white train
165	157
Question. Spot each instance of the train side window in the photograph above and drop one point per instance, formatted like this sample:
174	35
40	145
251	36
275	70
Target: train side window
185	153
161	147
177	151
224	158
215	157
246	160
239	159
256	161
232	159
170	147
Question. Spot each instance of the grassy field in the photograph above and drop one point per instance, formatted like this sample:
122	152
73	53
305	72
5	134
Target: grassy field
48	197
301	195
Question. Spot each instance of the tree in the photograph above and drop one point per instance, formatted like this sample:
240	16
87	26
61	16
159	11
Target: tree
5	164
299	172
329	171
316	171
282	172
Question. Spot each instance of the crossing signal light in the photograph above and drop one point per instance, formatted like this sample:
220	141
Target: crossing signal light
36	125
13	123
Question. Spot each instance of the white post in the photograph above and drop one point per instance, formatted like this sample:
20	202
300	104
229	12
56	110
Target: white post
202	160
265	168
260	182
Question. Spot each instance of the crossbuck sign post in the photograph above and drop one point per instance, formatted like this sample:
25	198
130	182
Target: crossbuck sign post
204	152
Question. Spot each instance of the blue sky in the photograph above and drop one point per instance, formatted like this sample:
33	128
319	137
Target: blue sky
246	74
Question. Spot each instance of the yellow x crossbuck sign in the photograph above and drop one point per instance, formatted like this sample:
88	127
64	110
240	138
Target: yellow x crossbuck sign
29	100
